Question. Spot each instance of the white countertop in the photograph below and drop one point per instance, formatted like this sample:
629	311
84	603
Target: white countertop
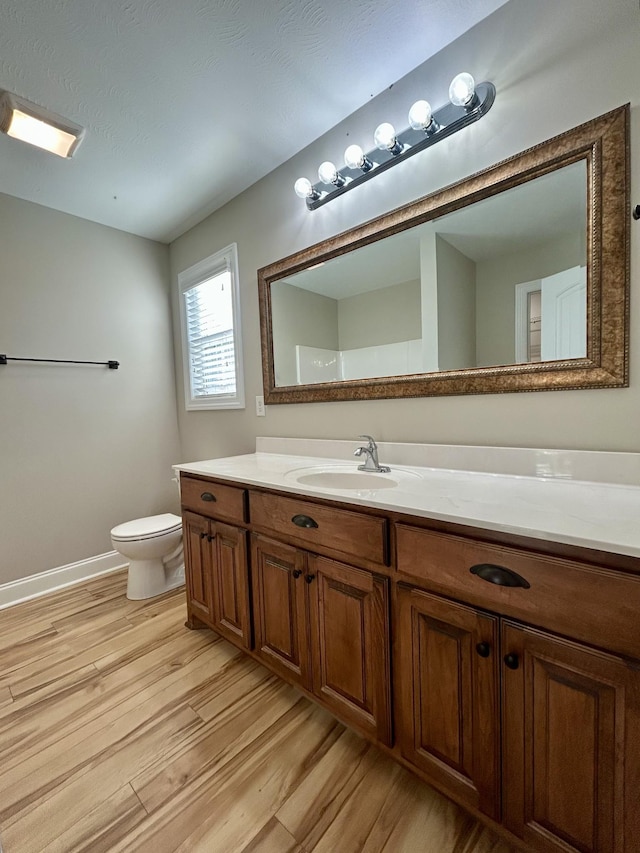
557	507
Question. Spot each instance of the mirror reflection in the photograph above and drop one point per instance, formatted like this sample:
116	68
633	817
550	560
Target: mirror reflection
499	282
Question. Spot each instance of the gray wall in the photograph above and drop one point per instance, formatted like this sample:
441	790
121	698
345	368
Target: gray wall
496	280
82	448
385	316
456	286
554	65
300	317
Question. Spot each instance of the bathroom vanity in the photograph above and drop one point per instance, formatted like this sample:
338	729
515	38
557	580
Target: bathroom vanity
481	627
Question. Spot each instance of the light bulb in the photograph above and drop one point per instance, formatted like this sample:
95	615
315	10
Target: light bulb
303	188
354	159
420	116
327	172
462	90
385	137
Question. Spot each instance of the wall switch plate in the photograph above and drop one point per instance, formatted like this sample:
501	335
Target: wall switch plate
260	410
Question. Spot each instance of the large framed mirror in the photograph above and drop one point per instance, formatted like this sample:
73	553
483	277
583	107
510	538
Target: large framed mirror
515	279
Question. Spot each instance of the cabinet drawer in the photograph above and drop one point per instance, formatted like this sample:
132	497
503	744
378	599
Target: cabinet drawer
352	533
599	606
213	499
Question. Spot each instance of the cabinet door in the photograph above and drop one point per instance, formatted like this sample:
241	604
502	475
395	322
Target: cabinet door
279	610
230	584
197	564
447	670
349	621
571	745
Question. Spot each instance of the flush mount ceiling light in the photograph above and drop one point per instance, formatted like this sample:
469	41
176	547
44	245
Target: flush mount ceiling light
468	102
33	124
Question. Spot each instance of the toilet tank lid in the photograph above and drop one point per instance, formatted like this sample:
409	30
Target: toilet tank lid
152	525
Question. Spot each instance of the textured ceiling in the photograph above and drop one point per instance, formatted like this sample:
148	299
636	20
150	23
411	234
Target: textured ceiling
188	102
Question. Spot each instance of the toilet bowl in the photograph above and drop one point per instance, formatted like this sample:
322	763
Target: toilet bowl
153	548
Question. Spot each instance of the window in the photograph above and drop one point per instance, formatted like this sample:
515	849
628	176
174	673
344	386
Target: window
211	339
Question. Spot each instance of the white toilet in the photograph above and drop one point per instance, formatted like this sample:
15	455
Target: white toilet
153	547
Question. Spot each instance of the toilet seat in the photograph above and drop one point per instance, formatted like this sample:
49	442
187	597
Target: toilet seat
147	528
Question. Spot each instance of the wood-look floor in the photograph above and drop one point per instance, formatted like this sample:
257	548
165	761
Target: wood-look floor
121	730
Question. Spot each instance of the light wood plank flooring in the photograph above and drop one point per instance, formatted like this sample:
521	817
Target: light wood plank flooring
121	730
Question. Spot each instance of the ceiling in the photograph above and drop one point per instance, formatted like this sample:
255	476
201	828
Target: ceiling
186	104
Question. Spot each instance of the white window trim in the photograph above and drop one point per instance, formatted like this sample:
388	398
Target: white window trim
225	259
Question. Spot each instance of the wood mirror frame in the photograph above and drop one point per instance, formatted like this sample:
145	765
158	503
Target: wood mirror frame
604	144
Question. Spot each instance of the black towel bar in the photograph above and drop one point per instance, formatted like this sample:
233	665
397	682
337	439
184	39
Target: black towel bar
112	365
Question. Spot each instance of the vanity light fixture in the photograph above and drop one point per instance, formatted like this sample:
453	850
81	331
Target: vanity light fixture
33	124
468	102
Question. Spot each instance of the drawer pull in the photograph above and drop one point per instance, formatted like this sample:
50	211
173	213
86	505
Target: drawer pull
499	575
207	496
304	521
296	573
512	661
483	649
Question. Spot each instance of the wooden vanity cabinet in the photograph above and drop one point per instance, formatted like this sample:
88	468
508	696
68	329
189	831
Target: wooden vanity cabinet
279	609
447	675
350	642
216	564
217	577
230	586
571	745
518	697
324	625
355	536
539	732
197	569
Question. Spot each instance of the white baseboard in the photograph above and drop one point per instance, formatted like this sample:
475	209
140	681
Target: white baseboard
34	586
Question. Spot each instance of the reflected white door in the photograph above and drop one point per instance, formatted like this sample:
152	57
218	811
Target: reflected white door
564	314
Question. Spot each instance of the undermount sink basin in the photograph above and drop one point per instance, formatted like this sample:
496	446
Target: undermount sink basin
347	478
355	480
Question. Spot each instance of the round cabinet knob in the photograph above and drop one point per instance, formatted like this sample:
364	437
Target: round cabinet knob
512	661
202	535
296	573
211	537
483	649
309	578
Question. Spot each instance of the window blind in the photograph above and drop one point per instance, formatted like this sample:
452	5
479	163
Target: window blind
209	319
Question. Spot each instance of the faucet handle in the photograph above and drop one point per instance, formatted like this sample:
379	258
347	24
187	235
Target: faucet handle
369	438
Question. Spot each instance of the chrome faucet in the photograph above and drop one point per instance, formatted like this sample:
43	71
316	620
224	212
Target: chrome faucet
371	454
